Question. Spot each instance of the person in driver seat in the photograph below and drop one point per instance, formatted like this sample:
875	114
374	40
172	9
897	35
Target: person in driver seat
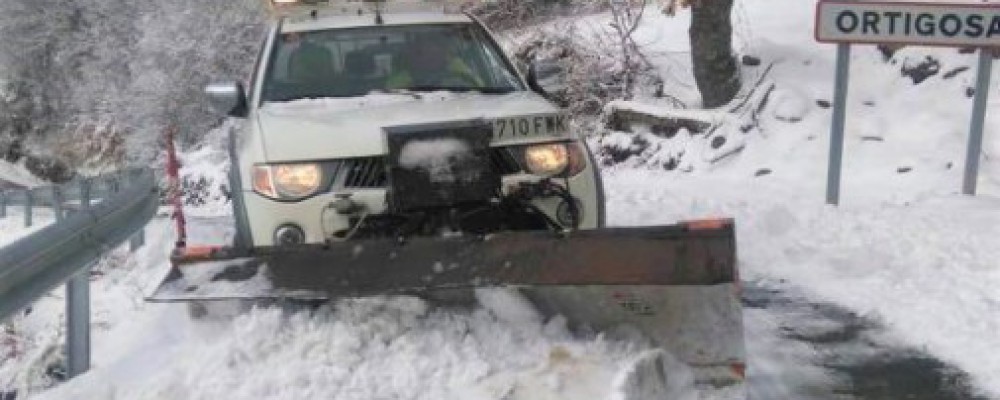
309	63
429	63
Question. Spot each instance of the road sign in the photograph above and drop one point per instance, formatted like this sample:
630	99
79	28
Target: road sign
927	24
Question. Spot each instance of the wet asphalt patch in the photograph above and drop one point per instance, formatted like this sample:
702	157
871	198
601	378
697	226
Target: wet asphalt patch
852	356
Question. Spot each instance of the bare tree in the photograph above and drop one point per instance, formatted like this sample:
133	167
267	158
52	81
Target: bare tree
626	17
116	71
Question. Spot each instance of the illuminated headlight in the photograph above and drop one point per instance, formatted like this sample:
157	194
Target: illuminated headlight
287	181
546	159
552	159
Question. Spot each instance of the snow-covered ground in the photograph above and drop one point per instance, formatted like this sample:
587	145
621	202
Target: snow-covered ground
12	177
903	250
17	175
359	349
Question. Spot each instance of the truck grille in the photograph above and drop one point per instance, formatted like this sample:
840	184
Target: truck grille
366	172
504	162
370	172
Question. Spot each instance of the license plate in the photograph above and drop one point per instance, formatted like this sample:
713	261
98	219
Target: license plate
530	126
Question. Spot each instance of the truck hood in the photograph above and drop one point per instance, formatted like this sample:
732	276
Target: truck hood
319	129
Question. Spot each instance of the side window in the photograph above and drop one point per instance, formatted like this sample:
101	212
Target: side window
498	73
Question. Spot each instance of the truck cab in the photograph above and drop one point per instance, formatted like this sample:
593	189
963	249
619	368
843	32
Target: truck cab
387	119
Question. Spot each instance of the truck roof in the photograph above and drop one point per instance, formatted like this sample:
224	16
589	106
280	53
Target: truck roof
308	15
301	23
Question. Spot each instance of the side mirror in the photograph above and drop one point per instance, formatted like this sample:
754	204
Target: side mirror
546	77
229	98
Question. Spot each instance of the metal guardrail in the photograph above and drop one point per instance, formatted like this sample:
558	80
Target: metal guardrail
92	215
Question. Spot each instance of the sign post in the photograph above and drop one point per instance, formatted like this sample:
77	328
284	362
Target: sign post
923	24
837	127
978	120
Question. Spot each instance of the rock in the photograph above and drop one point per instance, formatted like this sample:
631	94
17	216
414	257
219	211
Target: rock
762	172
868	103
966	50
623	117
872	139
671	164
664	130
12	152
903	170
750	61
954	72
921	71
823	103
718	142
969	92
887	51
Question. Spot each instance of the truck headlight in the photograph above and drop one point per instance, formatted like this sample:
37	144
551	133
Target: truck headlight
287	181
548	159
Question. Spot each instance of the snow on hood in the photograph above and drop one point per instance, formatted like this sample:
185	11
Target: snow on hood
316	129
323	106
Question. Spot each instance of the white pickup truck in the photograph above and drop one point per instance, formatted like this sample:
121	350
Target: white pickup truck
374	120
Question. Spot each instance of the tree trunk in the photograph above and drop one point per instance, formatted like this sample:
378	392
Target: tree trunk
715	68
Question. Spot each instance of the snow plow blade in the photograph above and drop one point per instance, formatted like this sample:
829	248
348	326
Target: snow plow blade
677	285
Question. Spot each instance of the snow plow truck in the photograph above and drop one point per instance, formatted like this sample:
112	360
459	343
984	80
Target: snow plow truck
393	148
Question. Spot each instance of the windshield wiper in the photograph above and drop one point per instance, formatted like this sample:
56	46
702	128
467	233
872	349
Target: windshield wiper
402	92
462	89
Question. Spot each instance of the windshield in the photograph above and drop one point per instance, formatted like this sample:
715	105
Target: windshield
355	62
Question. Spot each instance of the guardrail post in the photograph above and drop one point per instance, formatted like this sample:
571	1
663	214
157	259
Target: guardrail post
27	208
78	323
57	202
111	186
77	300
42	261
85	193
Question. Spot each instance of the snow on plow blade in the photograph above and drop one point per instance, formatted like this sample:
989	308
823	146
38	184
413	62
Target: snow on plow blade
677	285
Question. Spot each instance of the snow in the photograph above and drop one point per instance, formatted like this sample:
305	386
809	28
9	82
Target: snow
389	347
322	106
927	270
436	156
647	108
432	152
903	248
639	380
18	175
790	105
204	174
